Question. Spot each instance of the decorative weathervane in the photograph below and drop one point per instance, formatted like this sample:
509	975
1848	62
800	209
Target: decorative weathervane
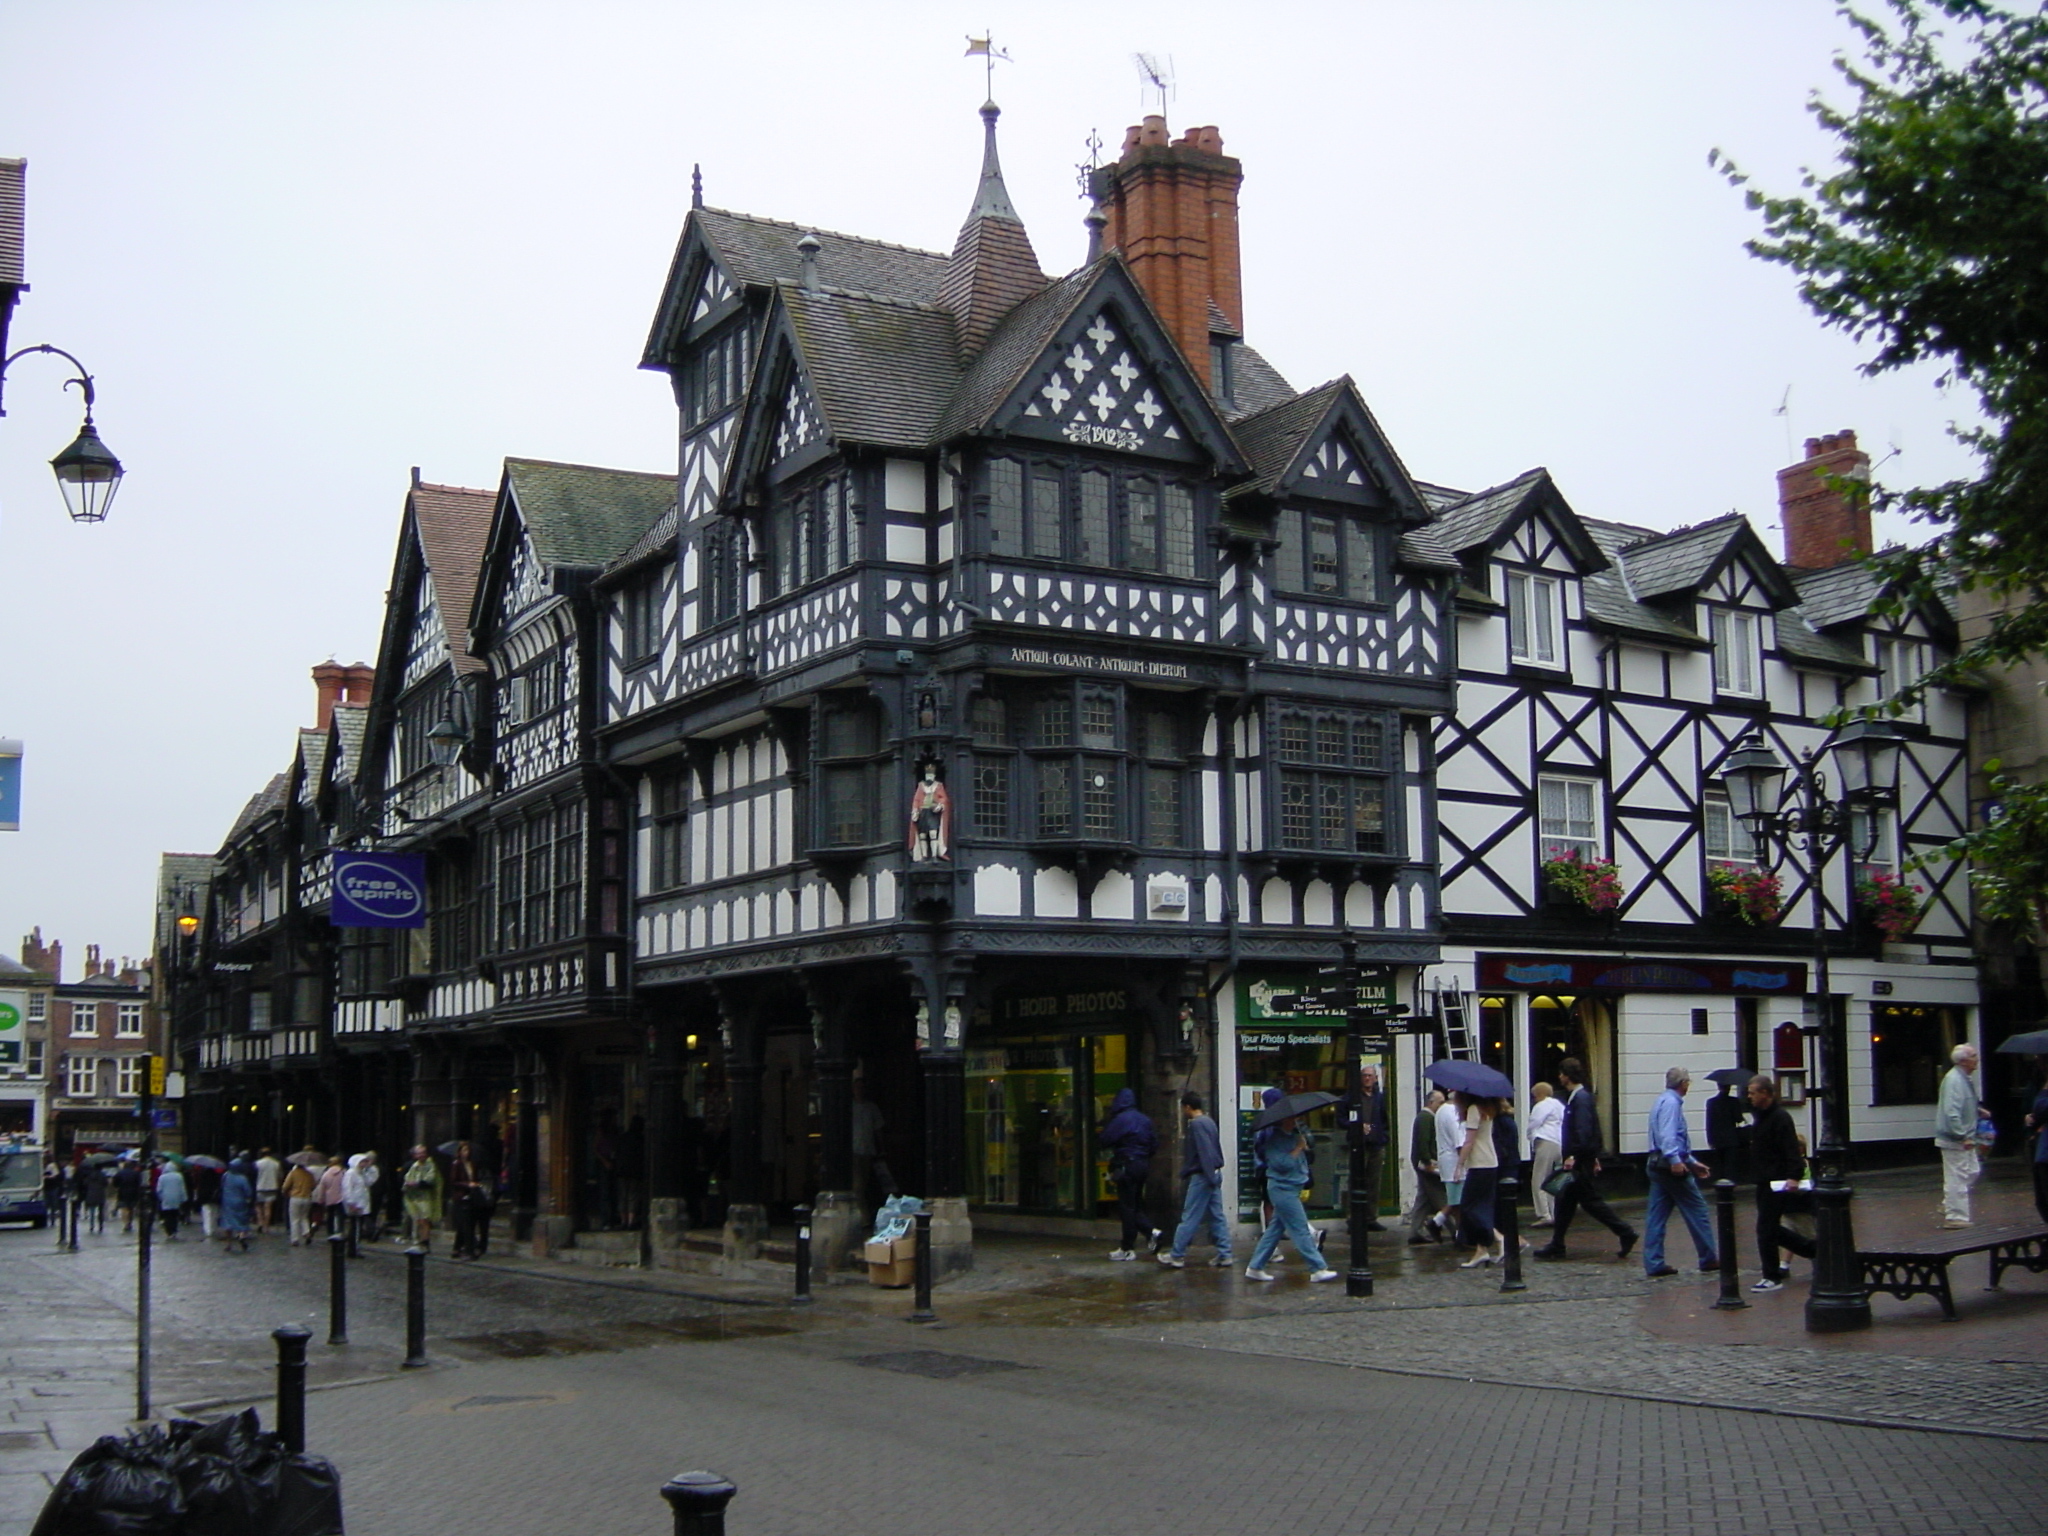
1085	174
984	48
1157	77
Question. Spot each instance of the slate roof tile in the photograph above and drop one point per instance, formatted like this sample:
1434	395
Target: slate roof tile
882	371
1012	348
1272	437
267	799
1257	385
1835	595
1679	561
762	252
1479	516
581	515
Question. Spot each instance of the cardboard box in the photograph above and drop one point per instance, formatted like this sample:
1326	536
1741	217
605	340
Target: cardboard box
892	1264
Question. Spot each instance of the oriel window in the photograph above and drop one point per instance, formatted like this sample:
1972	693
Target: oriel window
848	773
1327	552
1334	769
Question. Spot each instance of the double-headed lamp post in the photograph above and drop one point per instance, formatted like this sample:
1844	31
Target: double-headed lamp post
1809	830
87	472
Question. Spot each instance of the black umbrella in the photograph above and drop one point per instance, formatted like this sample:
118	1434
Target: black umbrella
2033	1043
201	1160
449	1148
100	1159
1293	1104
1473	1077
1730	1075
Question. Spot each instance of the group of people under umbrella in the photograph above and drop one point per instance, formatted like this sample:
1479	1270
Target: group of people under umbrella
308	1193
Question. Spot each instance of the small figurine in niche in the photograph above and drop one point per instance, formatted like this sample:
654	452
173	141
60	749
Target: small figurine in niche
927	711
931	817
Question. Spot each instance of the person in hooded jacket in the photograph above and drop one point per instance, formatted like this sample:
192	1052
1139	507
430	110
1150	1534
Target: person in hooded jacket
1131	1139
237	1205
170	1199
1285	1159
358	1196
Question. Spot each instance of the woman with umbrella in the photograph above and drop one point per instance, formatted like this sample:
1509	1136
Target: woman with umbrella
1285	1161
1477	1093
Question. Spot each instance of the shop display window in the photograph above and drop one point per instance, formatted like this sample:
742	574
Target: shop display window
1909	1051
1034	1107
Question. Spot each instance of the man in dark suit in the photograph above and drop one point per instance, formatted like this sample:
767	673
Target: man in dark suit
1362	1113
1582	1152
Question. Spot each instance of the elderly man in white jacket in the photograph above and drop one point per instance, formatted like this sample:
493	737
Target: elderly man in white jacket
1955	1133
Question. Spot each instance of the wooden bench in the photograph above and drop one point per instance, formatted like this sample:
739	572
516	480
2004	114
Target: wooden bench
1920	1267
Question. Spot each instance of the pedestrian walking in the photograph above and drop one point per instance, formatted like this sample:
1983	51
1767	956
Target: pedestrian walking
129	1178
327	1196
422	1186
1478	1174
1955	1133
1674	1180
1131	1140
205	1186
1284	1157
469	1201
237	1205
1546	1149
1362	1115
2037	1130
171	1196
1429	1184
299	1184
1201	1165
1450	1141
92	1195
359	1195
269	1176
1779	1164
1583	1148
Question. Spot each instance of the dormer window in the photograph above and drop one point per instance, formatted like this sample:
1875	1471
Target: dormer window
712	377
1900	664
1329	554
1737	667
1535	619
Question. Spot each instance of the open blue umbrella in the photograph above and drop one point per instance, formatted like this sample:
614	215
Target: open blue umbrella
1473	1077
1292	1105
2033	1043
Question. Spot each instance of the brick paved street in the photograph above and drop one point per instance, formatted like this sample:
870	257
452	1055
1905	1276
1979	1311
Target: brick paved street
562	1398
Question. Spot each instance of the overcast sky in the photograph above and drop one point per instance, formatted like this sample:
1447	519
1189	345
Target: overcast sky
304	248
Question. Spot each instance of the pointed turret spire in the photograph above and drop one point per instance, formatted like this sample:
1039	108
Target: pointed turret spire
992	201
994	268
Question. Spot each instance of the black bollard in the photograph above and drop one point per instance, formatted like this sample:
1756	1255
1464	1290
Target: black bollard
1507	1221
337	1289
353	1227
291	1386
923	1270
415	1308
803	1253
698	1500
1730	1299
73	1204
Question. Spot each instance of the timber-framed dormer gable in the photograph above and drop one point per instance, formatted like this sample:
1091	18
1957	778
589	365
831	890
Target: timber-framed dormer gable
424	654
1525	553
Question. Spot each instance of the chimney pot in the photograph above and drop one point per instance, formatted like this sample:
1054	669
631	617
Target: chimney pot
1154	131
1826	523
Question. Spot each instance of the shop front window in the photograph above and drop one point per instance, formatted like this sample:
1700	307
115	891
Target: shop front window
1033	1109
1909	1051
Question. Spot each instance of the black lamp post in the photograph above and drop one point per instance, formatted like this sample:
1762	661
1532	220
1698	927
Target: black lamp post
87	472
1810	831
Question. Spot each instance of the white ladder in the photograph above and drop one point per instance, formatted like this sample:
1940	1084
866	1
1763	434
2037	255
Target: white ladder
1451	1010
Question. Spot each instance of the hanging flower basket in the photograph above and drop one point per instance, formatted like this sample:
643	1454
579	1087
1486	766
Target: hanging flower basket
1889	904
1594	884
1754	896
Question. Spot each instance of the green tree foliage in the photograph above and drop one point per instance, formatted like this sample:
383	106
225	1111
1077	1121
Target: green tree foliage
1928	239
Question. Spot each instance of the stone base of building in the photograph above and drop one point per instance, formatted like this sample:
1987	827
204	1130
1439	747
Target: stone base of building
746	1228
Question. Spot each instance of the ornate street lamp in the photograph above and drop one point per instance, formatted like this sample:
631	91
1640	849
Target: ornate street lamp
87	472
1811	831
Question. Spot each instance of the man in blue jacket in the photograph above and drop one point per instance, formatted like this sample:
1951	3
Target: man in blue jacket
1674	1180
1201	1164
1582	1151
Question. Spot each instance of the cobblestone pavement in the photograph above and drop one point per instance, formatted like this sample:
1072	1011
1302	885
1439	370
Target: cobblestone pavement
889	1429
1192	1396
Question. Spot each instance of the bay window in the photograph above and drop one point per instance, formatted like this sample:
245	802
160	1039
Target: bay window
1333	771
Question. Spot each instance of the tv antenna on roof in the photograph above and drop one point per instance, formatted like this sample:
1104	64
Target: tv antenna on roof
1157	77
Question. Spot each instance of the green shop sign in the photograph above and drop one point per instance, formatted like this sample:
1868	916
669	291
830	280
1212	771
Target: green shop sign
13	1029
1259	988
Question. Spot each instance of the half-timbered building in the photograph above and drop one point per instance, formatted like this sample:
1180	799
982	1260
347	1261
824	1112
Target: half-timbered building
1031	685
1605	673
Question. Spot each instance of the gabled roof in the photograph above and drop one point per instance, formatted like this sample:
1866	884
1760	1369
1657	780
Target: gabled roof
1013	347
266	801
658	540
1798	638
350	722
453	522
1686	559
579	515
881	371
1486	517
1424	547
760	253
312	753
1837	594
14	970
1279	442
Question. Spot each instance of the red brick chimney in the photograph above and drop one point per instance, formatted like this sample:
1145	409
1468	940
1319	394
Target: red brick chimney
1826	523
1172	211
338	684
